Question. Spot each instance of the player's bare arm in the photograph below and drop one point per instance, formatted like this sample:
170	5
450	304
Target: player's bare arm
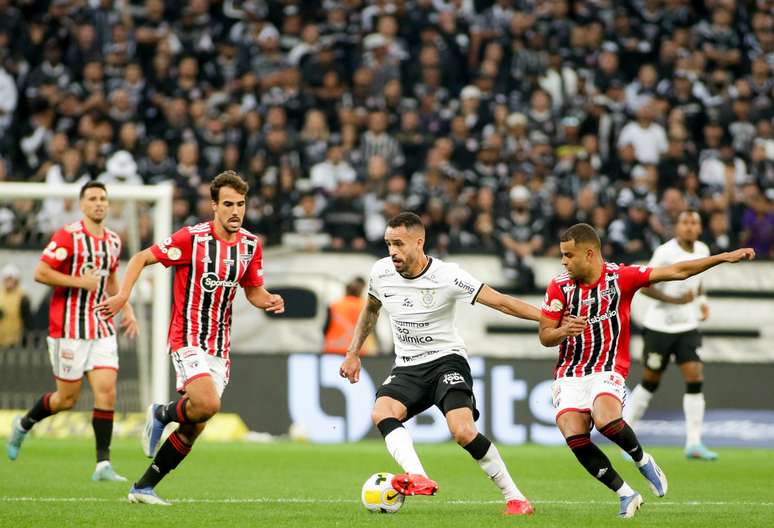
506	304
552	332
260	298
112	305
128	320
47	275
703	306
655	293
689	268
350	367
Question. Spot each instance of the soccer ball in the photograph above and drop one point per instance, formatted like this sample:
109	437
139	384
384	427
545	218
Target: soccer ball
378	494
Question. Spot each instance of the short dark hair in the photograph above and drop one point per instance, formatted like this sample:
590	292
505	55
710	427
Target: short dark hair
581	234
93	184
406	219
689	211
227	178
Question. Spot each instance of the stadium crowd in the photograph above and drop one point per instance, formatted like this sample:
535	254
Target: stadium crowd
501	122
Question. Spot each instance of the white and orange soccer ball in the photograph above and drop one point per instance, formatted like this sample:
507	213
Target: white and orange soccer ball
378	495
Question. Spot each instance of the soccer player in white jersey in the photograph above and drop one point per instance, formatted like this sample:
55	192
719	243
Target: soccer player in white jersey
586	313
420	293
212	260
671	329
80	264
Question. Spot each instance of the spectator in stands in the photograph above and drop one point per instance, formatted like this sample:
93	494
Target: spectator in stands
631	237
647	137
521	234
341	319
15	311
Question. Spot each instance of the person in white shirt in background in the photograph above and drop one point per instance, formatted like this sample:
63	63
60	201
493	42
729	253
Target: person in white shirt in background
646	136
671	328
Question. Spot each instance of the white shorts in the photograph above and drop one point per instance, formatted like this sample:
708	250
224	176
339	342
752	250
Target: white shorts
193	362
578	394
70	358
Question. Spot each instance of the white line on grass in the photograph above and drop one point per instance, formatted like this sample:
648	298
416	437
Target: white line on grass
287	500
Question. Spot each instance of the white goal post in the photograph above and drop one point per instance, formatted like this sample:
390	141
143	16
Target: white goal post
160	196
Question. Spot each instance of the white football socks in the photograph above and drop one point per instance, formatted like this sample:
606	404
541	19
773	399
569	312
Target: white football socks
637	405
493	465
693	407
401	447
625	491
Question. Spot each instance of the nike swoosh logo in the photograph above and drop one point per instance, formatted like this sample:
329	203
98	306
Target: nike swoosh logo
389	496
390	295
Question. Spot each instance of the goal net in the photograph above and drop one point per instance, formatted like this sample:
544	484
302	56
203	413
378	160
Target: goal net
24	368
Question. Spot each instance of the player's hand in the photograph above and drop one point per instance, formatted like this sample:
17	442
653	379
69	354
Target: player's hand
350	369
685	298
90	280
740	254
704	312
275	304
111	306
572	325
129	322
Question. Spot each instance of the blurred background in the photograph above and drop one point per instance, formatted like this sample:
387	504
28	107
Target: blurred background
500	122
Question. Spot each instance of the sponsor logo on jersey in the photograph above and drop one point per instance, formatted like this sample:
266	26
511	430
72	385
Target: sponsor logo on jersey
464	286
67	355
603	317
654	361
60	253
388	380
452	378
555	305
210	281
407	303
608	293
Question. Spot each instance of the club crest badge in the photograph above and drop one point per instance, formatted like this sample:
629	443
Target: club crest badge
427	297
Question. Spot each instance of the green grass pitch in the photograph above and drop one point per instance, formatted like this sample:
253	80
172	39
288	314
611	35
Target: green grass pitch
290	484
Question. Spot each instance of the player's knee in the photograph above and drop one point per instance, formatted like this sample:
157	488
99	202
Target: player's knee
67	401
463	432
105	398
203	408
379	414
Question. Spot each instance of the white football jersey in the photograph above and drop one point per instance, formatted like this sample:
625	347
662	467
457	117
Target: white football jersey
422	309
675	318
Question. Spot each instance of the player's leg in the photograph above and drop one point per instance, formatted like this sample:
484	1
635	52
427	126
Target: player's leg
693	407
606	412
199	391
169	455
388	415
655	358
68	357
458	407
205	393
103	384
575	427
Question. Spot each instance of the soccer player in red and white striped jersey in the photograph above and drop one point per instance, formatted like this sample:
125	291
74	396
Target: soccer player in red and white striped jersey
212	260
80	263
586	312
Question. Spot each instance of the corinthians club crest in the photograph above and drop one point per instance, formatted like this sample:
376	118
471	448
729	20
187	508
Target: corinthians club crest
427	297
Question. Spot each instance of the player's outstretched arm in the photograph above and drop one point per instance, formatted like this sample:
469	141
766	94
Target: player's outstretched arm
350	367
47	275
506	304
689	268
261	298
554	331
112	305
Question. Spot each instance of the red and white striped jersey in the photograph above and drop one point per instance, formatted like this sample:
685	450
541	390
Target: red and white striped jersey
74	251
207	273
604	344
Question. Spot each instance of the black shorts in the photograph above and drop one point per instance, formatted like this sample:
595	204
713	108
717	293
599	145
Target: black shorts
660	346
418	387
